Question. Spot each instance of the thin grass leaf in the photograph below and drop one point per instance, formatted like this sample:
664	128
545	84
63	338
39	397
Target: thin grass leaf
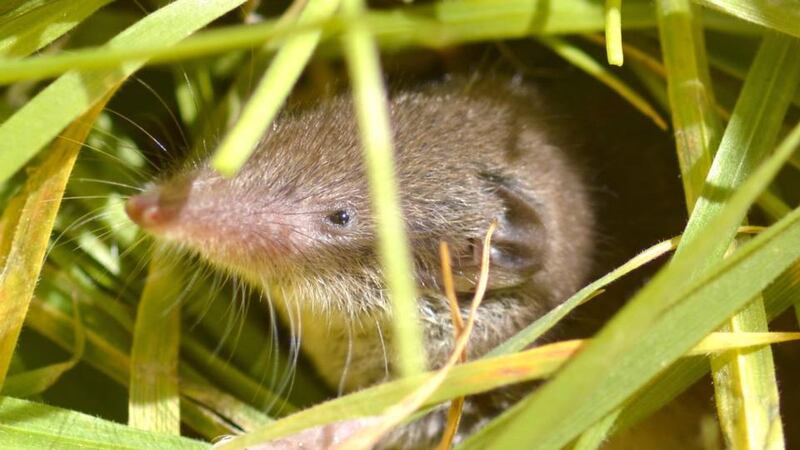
734	57
153	404
30	425
231	379
42	193
41	119
614	32
772	205
225	406
104	57
37	23
778	297
438	25
212	364
696	125
747	394
376	139
751	133
367	438
467	379
454	412
585	62
652	63
272	91
36	381
779	15
597	434
480	20
640	341
204	416
529	334
746	390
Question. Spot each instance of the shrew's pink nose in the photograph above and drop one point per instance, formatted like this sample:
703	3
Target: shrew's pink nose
156	208
145	210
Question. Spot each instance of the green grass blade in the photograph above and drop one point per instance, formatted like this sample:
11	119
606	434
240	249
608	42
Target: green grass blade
594	437
614	32
772	205
228	377
746	390
782	15
529	334
585	62
30	425
153	404
467	379
745	383
225	405
35	24
55	324
437	25
779	296
36	381
106	356
42	193
696	125
750	134
41	119
272	90
376	139
641	340
735	56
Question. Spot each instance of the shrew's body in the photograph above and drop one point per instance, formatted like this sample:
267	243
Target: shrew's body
297	222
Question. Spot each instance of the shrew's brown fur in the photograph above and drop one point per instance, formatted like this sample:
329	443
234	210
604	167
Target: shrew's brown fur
466	153
296	221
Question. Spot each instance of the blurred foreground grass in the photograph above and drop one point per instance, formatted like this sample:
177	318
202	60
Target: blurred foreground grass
222	365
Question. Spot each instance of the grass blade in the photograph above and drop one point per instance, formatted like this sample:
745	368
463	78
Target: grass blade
747	393
376	138
782	15
437	25
640	341
467	379
696	126
42	193
153	404
778	297
529	334
746	390
614	32
35	24
36	381
750	134
585	62
272	90
30	425
41	119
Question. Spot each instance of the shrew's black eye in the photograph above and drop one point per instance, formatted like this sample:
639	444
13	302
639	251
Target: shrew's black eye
340	217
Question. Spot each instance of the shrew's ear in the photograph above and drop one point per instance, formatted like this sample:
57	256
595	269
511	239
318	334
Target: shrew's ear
519	243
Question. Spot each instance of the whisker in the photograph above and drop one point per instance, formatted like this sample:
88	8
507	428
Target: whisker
347	361
167	108
140	128
107	154
383	349
122	145
108	182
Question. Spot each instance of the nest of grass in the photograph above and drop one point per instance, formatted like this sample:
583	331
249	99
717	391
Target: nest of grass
89	341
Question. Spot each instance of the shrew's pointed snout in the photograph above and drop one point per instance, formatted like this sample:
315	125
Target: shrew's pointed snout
157	207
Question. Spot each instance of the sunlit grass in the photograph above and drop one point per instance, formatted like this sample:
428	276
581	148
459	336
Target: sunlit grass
229	376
